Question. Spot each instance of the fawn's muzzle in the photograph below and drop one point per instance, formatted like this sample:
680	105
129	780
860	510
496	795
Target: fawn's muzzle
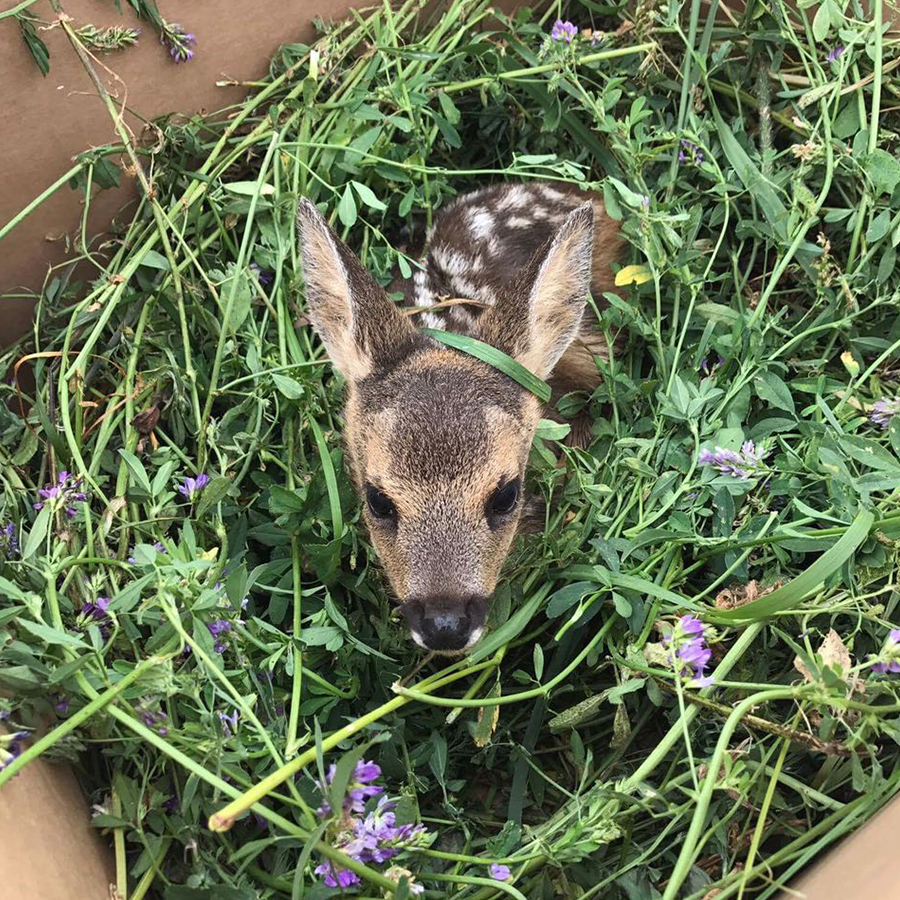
446	624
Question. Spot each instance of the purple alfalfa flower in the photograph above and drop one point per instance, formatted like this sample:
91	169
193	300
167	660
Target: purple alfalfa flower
708	368
9	541
229	722
11	746
171	804
62	706
689	152
359	788
263	276
152	718
688	652
563	32
884	410
745	463
61	494
177	41
192	486
890	654
217	629
96	612
835	53
343	878
499	872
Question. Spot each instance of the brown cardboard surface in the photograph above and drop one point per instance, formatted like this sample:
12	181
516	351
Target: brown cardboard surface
50	120
862	865
48	850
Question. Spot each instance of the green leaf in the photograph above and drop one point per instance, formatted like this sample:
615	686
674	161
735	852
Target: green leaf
154	260
538	657
290	387
10	591
212	494
552	431
794	592
347	208
883	169
249	188
162	476
137	470
773	390
38	533
52	635
281	500
568	596
493	357
367	196
752	179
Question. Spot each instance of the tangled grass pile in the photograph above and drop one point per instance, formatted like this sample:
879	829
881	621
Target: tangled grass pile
689	685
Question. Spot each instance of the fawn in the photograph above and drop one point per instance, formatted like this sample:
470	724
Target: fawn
437	441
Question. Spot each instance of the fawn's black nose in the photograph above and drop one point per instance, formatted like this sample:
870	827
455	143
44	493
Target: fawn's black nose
446	624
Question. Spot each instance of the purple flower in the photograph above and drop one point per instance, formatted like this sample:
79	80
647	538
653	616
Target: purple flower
66	491
890	654
645	201
9	541
743	464
710	370
263	276
688	651
179	43
192	486
564	32
229	722
152	718
62	706
343	878
11	747
690	153
835	53
97	611
884	410
499	872
171	804
220	626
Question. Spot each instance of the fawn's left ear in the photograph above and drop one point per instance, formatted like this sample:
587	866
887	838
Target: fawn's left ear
363	331
540	316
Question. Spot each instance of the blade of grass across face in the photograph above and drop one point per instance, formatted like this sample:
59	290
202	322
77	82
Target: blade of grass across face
804	584
493	357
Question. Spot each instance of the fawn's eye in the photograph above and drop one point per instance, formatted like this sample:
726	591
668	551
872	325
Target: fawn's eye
380	505
504	500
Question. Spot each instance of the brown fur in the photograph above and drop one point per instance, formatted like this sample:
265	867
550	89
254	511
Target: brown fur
439	436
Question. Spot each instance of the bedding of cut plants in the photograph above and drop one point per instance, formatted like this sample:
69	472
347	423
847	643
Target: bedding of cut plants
689	686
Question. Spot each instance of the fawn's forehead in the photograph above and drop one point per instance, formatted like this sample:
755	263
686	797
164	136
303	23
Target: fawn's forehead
440	414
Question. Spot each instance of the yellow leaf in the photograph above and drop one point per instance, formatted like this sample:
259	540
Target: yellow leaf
633	275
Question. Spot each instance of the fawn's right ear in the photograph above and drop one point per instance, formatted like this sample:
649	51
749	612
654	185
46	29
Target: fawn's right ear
362	330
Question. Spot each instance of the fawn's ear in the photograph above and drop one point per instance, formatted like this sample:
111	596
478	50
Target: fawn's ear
363	331
539	317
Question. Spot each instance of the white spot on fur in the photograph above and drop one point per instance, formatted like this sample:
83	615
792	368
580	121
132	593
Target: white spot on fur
519	222
551	193
481	222
433	321
513	198
454	263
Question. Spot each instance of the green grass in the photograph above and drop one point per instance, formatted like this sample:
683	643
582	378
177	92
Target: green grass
565	745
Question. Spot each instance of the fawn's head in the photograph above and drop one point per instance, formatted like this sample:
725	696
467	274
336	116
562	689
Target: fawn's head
438	441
